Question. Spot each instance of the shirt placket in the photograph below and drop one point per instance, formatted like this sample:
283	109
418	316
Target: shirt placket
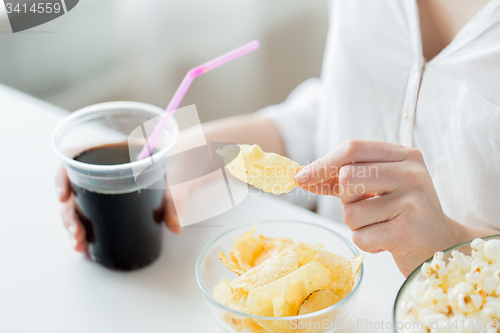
407	119
407	122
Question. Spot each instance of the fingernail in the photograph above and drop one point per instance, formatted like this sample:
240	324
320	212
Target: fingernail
303	176
59	191
73	241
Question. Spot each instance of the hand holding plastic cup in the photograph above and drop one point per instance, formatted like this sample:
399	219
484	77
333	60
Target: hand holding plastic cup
120	207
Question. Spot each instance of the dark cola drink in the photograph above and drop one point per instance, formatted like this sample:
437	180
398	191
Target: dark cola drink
124	230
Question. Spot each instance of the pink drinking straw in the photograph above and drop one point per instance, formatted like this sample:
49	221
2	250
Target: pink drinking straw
186	83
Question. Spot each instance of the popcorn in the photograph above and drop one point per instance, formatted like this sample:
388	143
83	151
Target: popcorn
478	271
458	262
491	250
419	289
424	314
463	298
464	291
469	303
488	284
492	307
452	279
469	326
435	300
477	246
435	270
495	266
496	277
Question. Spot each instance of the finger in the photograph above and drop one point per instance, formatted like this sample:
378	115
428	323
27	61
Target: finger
331	187
370	211
171	217
375	238
361	179
328	187
81	246
73	225
63	189
78	235
348	197
358	181
351	151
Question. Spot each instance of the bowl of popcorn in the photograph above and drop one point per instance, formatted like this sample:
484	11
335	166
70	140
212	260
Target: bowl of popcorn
279	277
457	290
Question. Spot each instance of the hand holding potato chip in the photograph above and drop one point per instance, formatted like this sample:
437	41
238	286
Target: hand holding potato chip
390	202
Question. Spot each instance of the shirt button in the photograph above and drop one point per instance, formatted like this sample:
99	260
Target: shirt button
405	115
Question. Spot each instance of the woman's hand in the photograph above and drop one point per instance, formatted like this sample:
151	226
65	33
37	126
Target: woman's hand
73	224
389	200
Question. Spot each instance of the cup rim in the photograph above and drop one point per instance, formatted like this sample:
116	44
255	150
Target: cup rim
343	301
114	105
417	270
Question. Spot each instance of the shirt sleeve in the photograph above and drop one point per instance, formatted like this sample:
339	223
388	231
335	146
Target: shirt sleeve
296	120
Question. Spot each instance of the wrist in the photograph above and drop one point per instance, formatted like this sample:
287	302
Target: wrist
460	233
463	233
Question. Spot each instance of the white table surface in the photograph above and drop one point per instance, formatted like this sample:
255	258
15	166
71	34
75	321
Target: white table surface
47	287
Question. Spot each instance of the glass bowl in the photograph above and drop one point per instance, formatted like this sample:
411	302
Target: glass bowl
416	276
210	270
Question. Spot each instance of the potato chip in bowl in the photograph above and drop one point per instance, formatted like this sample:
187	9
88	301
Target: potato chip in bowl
279	276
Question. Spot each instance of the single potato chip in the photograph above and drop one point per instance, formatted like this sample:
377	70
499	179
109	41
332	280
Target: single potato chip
245	251
339	266
269	172
235	300
285	305
319	300
233	266
306	253
247	248
355	264
272	246
288	304
270	270
237	257
313	275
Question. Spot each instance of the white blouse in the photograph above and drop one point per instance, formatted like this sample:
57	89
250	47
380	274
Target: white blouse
375	84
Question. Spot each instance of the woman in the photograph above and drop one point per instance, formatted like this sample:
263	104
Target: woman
421	78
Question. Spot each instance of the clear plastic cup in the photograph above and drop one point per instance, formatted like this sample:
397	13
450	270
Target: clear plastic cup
120	205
